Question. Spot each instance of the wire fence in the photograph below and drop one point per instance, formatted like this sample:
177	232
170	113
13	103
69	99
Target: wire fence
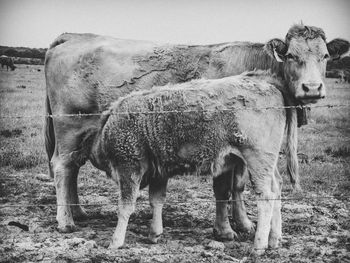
79	115
340	198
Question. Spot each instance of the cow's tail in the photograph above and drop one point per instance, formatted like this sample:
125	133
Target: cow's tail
49	134
291	148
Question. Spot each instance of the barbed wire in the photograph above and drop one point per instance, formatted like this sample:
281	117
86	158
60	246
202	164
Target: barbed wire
343	197
174	111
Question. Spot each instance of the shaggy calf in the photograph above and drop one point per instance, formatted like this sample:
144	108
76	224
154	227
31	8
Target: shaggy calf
213	126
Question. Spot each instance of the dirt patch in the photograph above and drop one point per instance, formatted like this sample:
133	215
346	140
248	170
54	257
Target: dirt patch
314	229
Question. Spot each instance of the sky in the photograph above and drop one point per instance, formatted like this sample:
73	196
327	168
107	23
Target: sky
36	23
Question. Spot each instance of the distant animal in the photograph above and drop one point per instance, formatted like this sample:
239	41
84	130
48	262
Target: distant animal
144	138
342	75
8	62
86	72
303	158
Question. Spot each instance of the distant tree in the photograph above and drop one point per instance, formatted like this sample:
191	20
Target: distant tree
11	52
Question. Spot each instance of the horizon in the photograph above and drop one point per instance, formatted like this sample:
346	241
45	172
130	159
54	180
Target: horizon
36	23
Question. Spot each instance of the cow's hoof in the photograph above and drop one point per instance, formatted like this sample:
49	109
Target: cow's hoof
227	235
246	234
67	228
247	227
154	238
296	188
79	213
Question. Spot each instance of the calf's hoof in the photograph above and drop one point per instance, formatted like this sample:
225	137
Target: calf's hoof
224	235
66	228
258	251
274	241
115	245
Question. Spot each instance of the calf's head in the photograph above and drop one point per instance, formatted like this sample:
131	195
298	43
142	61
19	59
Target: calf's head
304	55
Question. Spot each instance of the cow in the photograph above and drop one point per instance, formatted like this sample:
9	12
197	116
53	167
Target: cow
86	72
8	62
215	126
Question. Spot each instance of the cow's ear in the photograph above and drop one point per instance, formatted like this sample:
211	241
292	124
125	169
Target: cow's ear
337	48
276	48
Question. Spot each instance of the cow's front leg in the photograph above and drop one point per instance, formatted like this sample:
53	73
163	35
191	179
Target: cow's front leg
63	173
222	187
77	210
129	179
157	194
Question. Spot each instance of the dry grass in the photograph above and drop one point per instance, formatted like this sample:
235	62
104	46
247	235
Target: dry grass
21	138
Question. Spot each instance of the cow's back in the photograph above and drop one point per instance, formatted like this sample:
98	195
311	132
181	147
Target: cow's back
84	72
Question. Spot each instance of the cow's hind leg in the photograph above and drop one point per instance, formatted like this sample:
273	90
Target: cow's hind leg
239	211
157	194
222	188
129	179
63	173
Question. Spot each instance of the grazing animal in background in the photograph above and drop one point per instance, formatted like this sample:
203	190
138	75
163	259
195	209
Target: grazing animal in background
8	62
86	72
209	125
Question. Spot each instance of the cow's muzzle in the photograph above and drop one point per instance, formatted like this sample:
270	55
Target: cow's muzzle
311	92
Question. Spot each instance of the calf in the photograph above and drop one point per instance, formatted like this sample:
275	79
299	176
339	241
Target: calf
219	127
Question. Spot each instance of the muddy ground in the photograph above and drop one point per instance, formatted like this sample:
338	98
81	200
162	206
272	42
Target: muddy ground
315	229
316	222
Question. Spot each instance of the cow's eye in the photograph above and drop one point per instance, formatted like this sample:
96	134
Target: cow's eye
291	56
326	56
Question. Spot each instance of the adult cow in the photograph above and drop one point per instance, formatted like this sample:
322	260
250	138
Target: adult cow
215	126
85	72
8	62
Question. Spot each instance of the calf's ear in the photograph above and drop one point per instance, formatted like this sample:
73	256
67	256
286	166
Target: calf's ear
337	48
276	48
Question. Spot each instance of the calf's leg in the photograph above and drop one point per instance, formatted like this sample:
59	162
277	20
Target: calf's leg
276	222
262	165
222	187
157	194
129	179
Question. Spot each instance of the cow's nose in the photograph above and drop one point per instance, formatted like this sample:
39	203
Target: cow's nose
307	87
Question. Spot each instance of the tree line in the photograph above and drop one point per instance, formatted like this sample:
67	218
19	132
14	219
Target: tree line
25	55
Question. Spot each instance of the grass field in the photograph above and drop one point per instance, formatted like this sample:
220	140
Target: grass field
315	228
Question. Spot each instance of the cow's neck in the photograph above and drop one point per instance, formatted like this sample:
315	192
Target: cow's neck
237	57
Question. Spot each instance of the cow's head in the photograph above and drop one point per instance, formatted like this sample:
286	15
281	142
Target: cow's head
304	55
